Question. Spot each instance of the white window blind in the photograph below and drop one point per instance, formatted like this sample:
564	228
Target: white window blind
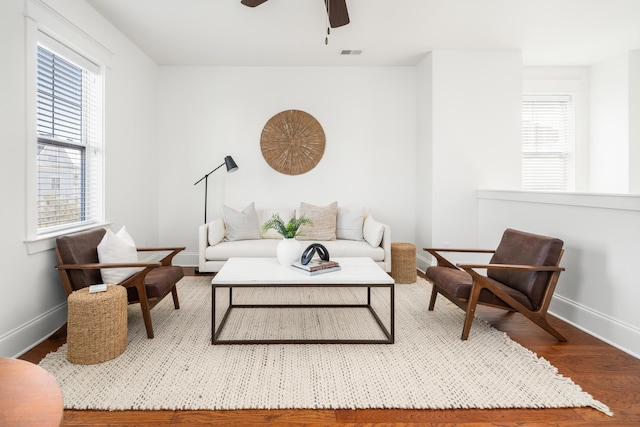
547	142
69	143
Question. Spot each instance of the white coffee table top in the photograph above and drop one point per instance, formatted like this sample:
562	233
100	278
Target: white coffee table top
267	271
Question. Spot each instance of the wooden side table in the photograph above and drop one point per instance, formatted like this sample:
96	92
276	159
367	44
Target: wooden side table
29	395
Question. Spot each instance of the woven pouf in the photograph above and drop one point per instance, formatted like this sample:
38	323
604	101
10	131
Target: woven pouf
96	325
403	262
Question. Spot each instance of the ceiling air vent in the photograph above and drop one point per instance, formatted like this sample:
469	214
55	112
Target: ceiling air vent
351	52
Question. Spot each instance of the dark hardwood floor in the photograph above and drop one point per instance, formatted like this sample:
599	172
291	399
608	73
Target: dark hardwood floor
608	374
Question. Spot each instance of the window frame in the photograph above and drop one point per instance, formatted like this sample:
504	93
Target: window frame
571	81
564	153
44	25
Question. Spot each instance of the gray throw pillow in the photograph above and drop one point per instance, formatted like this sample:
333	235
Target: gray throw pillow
241	225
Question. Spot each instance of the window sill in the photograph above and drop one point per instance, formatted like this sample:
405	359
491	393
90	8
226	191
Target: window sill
48	241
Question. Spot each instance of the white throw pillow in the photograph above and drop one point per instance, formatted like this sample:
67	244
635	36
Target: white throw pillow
241	225
373	231
324	222
117	248
349	224
265	215
216	231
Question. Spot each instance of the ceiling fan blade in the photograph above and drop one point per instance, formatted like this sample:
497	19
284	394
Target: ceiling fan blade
252	3
338	14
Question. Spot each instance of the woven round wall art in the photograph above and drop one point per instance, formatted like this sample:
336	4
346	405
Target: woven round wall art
292	142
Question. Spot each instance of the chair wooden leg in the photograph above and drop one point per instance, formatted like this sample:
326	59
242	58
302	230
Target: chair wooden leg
146	312
542	322
174	293
471	310
434	295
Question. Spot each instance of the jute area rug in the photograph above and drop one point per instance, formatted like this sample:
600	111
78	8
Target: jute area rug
428	367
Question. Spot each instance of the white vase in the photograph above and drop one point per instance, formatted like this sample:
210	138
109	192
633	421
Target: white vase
288	251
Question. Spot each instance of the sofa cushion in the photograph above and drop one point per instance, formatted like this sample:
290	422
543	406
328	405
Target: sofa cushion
267	248
353	248
373	231
242	248
349	224
117	248
241	225
216	231
324	222
265	215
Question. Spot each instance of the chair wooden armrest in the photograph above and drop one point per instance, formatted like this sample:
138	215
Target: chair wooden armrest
178	249
168	259
97	266
431	250
443	262
511	267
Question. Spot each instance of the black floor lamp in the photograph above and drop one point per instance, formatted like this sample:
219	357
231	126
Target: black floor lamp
231	167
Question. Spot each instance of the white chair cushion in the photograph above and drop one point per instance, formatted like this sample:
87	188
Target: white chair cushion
117	248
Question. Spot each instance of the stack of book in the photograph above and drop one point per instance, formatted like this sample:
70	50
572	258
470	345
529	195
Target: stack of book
316	266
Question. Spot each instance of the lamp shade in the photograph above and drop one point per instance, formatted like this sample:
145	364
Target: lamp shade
231	165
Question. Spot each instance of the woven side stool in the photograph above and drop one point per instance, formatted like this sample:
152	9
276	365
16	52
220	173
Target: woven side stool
96	325
403	262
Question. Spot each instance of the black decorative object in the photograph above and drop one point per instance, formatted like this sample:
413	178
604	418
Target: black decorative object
311	250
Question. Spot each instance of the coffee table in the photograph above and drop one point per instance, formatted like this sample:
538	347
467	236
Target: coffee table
268	273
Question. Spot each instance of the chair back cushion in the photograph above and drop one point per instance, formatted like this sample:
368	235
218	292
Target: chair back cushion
81	248
519	247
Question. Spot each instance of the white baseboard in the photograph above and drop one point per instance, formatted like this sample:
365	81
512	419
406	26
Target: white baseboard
606	328
423	263
25	337
186	259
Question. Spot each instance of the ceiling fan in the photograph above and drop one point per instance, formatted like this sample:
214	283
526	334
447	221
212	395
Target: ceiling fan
336	9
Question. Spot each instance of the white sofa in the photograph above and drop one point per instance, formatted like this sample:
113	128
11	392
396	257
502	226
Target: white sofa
239	234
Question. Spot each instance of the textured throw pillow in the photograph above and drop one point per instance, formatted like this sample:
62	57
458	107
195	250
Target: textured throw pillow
324	222
349	224
373	231
216	231
265	215
117	248
241	225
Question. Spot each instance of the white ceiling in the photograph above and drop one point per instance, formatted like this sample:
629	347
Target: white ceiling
390	32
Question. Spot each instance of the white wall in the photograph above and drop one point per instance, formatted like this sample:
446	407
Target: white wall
424	155
599	290
609	126
474	136
634	121
34	304
368	116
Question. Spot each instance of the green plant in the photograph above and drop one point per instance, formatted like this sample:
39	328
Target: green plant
288	230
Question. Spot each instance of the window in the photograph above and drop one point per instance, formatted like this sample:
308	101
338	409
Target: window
69	139
547	143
